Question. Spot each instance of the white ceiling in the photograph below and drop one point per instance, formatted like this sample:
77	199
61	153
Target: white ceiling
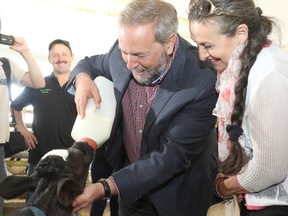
89	25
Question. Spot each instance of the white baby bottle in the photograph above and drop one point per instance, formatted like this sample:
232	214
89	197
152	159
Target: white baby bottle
97	124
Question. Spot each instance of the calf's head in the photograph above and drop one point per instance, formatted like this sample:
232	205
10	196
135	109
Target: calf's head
60	176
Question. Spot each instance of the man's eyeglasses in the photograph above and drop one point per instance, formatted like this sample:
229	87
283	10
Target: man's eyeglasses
207	8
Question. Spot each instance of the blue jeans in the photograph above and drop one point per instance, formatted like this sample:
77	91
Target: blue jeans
3	174
141	207
31	168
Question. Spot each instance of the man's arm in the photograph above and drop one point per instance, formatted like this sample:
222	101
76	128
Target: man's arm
30	139
21	101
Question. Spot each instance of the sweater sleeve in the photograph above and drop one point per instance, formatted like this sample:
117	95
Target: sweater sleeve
267	125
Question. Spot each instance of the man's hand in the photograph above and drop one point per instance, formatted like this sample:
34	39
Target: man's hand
19	45
85	89
29	137
91	193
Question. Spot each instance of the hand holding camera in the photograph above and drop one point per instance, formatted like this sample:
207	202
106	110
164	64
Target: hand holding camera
17	44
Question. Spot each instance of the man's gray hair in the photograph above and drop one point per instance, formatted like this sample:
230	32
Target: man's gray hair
162	14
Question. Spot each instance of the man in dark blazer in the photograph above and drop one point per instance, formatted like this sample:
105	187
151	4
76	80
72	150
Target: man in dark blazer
163	146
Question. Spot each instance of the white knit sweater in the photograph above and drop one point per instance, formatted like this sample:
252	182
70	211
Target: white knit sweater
265	126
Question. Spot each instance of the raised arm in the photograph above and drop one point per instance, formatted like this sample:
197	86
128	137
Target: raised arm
33	78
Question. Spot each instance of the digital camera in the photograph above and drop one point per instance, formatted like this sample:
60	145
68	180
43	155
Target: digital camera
6	39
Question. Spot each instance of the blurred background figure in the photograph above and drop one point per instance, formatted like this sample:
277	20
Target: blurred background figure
54	109
32	78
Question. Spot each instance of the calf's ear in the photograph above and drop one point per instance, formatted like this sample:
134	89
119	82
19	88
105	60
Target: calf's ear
67	191
13	186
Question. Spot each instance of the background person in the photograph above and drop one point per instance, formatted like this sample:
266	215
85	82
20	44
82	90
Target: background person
163	142
252	84
54	109
32	78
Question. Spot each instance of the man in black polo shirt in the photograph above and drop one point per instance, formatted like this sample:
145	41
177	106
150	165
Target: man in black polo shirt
54	108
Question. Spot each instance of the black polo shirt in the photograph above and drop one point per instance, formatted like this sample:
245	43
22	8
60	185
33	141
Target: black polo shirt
54	116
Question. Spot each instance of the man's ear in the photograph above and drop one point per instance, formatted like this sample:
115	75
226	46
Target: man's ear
67	191
242	33
170	44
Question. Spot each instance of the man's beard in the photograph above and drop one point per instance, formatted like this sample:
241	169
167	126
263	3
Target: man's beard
151	73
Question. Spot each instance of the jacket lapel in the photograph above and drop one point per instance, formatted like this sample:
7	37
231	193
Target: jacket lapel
164	93
121	82
168	87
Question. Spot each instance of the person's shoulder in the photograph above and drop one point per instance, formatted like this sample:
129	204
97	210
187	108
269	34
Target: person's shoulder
271	57
188	50
278	52
185	43
49	78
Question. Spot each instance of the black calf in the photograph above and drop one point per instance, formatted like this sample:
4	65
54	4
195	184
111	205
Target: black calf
59	178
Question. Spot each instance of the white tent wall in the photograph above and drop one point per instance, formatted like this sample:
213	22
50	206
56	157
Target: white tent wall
89	25
278	10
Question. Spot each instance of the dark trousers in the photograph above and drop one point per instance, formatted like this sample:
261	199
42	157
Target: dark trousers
268	211
101	169
141	207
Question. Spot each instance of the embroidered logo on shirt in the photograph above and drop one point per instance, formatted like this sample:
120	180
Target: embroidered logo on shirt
45	90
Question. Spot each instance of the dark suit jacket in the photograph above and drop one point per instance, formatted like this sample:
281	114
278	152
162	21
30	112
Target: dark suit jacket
179	146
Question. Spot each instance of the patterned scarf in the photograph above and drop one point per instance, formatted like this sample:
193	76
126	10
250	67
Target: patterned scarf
225	85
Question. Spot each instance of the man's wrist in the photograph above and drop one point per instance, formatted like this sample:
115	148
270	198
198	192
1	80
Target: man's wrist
113	187
80	76
106	187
